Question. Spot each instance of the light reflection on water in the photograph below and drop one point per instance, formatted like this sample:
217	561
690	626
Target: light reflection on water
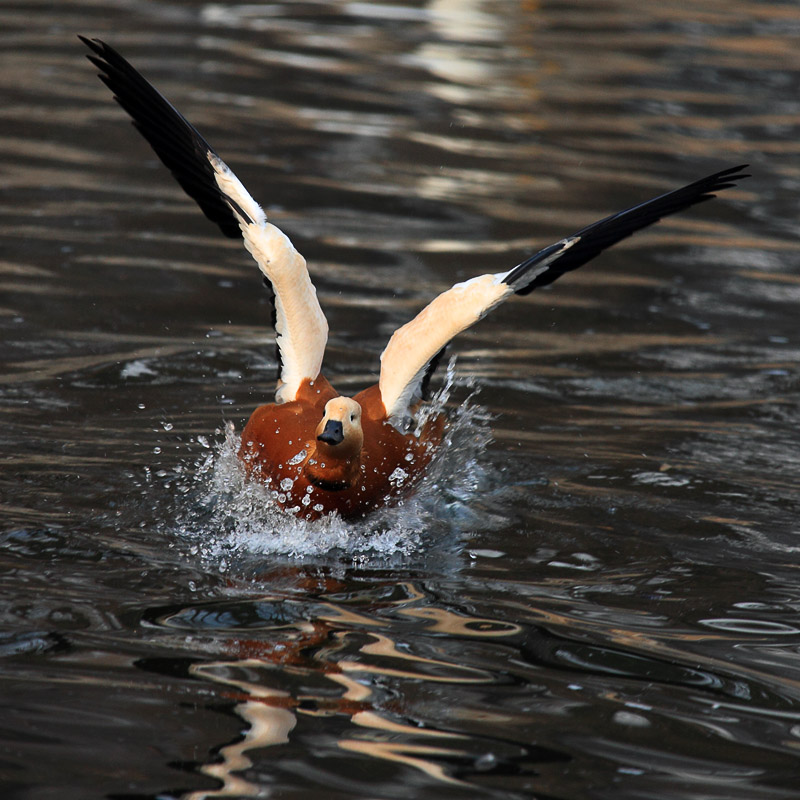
600	602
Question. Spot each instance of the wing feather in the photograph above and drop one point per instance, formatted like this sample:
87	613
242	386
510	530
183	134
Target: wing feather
300	325
404	362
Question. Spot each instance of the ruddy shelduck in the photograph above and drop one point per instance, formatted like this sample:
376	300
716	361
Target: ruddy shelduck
319	451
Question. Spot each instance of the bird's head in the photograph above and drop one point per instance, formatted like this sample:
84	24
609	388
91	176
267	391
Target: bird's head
339	433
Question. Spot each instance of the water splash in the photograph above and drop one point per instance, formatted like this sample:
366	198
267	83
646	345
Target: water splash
232	518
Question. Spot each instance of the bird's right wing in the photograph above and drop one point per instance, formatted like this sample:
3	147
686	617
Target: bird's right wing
405	361
300	325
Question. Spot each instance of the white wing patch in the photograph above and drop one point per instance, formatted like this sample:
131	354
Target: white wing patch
411	347
300	325
406	357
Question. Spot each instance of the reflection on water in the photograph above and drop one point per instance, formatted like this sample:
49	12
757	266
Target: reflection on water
600	601
295	660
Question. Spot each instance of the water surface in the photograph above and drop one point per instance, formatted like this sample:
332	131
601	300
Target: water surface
600	602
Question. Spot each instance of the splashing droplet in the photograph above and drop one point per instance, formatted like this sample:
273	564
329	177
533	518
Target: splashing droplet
398	477
297	458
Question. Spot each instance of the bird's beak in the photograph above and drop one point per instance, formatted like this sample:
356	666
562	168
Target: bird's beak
332	432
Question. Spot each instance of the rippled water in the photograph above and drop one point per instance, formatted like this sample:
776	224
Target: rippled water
601	602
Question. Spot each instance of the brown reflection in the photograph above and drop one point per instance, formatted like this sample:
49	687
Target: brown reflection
339	647
445	621
411	755
413	667
269	724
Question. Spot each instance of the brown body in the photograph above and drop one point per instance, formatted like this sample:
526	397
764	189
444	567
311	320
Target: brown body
280	447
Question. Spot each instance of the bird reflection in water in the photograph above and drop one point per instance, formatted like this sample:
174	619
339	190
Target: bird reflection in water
331	641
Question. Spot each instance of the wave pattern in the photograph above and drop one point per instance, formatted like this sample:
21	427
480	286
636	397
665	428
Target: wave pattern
596	594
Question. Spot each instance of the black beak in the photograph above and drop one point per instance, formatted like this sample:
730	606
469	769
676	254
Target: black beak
332	433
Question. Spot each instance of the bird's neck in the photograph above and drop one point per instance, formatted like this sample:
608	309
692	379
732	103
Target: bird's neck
329	468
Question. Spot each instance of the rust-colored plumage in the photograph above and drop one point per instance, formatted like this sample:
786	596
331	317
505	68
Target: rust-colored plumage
280	446
321	452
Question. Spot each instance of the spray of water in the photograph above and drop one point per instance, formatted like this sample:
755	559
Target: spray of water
230	517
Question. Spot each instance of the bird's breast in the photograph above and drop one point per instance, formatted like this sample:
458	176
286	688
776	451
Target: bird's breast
278	447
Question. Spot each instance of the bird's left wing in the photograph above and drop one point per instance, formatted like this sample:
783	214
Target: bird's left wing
300	325
405	361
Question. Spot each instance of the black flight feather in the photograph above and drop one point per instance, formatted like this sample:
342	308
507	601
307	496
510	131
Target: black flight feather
433	364
175	140
271	290
599	236
593	239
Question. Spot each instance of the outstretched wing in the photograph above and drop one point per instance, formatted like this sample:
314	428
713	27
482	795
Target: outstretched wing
405	360
300	325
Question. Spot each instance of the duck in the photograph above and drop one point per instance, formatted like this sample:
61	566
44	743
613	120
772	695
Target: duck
320	452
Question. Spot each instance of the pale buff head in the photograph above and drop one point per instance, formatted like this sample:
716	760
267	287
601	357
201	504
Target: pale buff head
339	432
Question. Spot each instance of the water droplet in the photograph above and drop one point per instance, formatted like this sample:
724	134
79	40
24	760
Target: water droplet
156	450
409	456
168	426
141	405
296	459
286	484
306	499
632	720
203	441
486	762
318	507
398	477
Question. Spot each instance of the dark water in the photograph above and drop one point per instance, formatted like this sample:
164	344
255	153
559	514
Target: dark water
603	602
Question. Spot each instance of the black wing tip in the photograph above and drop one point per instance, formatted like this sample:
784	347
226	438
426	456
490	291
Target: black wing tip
176	142
731	170
605	233
724	179
98	47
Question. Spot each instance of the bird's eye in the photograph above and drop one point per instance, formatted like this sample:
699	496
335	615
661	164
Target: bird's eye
352	418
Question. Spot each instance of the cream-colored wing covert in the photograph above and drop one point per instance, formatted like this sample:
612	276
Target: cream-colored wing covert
300	325
406	359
